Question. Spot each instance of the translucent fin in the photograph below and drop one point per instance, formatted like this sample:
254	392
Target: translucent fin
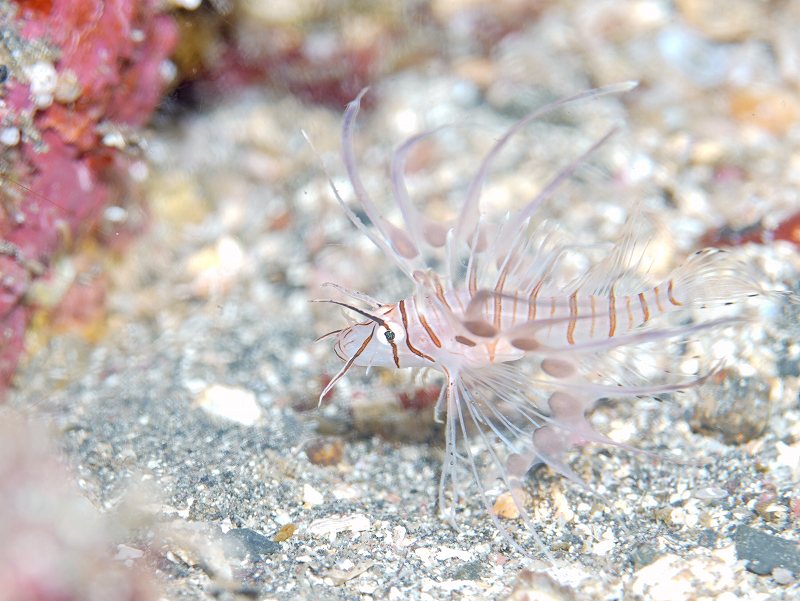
364	298
713	276
424	231
395	242
621	269
470	212
473	441
518	222
377	237
635	337
505	428
463	240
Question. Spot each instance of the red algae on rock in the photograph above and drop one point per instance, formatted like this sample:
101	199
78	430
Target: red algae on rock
77	70
787	230
322	53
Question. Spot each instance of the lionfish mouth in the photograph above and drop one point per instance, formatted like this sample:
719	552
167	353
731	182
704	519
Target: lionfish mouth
339	350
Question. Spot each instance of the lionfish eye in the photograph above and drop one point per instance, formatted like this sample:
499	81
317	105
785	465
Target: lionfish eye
391	333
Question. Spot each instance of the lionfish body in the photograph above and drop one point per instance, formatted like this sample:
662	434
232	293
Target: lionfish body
509	336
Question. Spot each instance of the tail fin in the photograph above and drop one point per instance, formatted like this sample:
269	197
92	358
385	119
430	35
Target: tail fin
713	276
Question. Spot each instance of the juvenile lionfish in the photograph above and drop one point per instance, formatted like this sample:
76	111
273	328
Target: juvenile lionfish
511	339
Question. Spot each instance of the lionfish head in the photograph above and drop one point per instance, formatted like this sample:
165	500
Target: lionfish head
373	339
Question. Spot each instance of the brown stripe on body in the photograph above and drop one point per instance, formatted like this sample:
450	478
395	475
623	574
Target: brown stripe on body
498	298
498	310
630	311
552	313
411	347
669	295
532	300
465	341
514	309
491	350
645	310
573	317
498	314
473	285
658	300
612	313
440	294
434	338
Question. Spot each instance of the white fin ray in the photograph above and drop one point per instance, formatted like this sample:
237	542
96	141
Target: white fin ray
468	218
520	219
506	391
514	432
410	246
394	241
355	294
377	237
621	269
486	452
426	232
713	276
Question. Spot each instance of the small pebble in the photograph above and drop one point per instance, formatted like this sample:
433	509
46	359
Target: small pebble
674	578
506	507
710	493
540	586
325	451
235	404
356	522
68	87
311	496
774	110
788	457
215	267
722	20
126	553
448	553
186	4
285	533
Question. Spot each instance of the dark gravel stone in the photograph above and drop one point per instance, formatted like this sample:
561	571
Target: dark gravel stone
244	541
707	538
736	411
765	552
644	555
469	571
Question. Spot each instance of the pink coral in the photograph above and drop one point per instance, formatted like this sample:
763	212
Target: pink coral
108	57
